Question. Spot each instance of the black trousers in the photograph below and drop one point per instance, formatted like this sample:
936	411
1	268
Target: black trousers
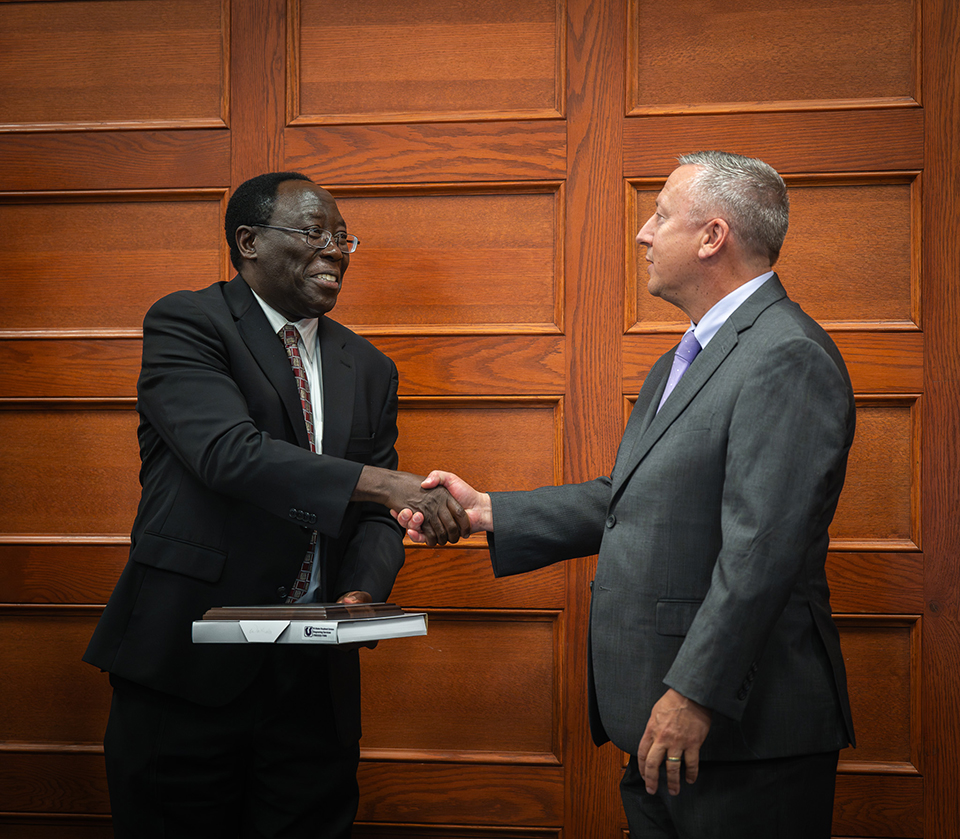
268	765
785	798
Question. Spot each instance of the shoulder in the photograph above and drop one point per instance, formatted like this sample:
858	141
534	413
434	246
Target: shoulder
339	335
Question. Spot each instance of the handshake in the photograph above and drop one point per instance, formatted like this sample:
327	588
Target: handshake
438	509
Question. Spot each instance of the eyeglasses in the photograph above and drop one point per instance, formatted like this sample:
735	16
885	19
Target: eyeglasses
319	238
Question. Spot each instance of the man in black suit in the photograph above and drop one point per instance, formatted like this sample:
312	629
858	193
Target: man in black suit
254	493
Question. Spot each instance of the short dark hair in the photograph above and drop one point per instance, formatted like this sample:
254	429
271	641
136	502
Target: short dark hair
252	203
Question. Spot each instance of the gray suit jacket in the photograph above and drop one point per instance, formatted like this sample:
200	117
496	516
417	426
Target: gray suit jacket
712	537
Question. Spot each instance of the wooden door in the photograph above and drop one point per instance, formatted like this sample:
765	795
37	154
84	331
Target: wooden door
495	160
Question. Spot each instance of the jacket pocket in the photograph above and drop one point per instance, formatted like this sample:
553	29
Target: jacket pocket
188	558
359	449
674	617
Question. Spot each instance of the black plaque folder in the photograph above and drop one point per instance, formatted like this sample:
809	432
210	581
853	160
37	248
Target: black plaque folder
314	624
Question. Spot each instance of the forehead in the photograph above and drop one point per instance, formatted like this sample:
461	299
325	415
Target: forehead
304	203
675	190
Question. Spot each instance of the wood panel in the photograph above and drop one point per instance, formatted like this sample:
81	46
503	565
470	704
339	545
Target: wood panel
156	62
847	259
762	57
880	499
510	444
100	260
428	152
52	368
481	687
68	469
56	699
882	655
447	259
468	795
64	569
461	577
431	61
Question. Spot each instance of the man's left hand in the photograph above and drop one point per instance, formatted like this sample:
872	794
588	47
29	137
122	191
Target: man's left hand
675	731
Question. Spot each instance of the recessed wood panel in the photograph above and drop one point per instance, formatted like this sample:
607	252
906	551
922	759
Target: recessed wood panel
879	583
881	655
100	261
69	572
428	152
69	368
477	686
68	471
408	831
55	698
847	259
430	793
431	60
492	444
461	576
115	160
97	64
761	56
501	365
877	806
878	505
450	261
54	783
55	827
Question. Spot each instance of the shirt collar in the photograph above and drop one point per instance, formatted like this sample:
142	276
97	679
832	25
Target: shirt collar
718	314
307	327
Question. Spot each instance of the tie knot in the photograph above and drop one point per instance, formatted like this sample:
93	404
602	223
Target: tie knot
689	347
290	335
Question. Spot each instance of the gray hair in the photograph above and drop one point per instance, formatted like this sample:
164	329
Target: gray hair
747	193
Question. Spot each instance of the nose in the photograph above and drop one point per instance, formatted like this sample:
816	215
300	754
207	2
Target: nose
644	236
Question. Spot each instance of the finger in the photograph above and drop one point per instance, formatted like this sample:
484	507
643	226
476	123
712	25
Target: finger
416	536
651	768
691	760
673	773
435	478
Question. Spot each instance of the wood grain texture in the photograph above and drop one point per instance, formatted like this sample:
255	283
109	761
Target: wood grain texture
940	441
115	160
759	56
820	141
428	152
428	62
96	259
449	259
484	685
69	571
135	64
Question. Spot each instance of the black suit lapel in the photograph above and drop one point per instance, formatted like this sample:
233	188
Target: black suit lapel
339	384
267	348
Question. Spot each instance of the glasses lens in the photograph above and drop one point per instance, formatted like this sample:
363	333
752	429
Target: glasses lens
347	243
318	238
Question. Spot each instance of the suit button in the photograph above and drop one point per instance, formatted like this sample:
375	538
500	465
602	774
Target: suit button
611	521
282	592
293	512
742	694
313	518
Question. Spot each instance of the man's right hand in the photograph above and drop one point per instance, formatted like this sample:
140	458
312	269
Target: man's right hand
442	518
476	505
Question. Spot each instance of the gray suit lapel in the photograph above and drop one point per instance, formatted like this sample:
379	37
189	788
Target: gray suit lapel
339	384
267	349
654	423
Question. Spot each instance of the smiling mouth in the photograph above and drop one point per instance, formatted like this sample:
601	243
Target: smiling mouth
326	279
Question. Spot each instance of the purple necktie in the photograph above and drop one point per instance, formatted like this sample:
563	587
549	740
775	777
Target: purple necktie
685	354
290	337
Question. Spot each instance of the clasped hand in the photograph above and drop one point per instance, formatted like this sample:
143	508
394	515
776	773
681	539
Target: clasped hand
475	506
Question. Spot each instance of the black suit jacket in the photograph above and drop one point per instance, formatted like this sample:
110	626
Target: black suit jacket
231	493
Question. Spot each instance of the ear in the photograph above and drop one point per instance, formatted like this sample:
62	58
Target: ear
713	238
247	242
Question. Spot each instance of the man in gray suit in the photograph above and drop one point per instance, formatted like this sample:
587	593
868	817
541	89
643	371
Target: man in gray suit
713	651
